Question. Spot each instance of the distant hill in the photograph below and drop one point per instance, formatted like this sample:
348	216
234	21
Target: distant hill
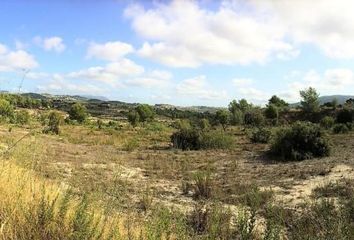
102	98
200	109
340	98
324	99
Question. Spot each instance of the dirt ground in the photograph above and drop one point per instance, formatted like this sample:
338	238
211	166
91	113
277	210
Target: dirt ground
99	164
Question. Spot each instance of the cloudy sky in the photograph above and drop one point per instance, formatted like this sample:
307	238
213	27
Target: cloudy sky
180	52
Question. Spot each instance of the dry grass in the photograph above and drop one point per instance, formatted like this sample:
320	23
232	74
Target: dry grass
116	168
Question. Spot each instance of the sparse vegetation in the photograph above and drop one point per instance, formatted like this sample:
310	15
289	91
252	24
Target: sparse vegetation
102	168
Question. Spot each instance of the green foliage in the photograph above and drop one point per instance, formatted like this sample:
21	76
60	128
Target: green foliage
261	135
236	117
237	111
182	124
254	118
340	128
303	140
204	124
278	102
78	112
194	139
146	112
271	112
222	117
6	109
309	102
55	119
345	116
215	140
133	118
186	139
22	117
327	122
241	105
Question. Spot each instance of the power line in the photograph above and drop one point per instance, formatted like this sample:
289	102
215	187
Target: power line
24	73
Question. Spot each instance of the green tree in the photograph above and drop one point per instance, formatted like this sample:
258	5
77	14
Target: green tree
78	112
334	103
146	112
222	117
271	112
309	102
133	118
278	102
242	105
236	117
237	110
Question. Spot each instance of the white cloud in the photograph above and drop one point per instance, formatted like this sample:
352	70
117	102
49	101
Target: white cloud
327	24
110	51
186	35
198	87
51	43
14	60
59	85
242	82
329	82
254	94
112	73
153	79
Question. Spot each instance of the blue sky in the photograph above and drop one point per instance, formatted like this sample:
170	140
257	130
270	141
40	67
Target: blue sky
180	52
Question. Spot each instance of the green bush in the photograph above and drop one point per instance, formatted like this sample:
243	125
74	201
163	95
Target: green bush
204	124
260	135
254	118
193	139
345	116
78	112
327	122
22	117
55	119
6	109
186	139
215	140
133	118
340	128
303	140
271	112
146	112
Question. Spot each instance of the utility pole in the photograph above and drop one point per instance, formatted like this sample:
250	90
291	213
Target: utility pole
24	73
